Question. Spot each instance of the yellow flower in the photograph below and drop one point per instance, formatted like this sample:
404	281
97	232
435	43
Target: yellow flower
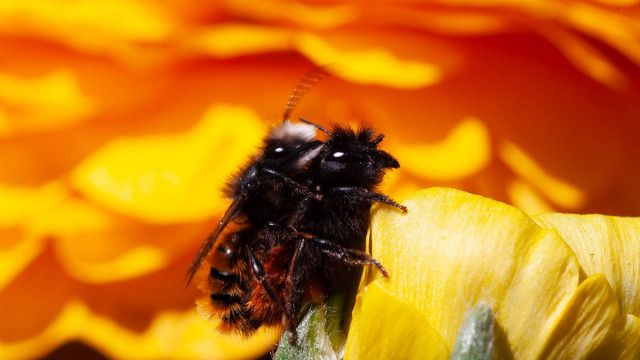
120	120
561	286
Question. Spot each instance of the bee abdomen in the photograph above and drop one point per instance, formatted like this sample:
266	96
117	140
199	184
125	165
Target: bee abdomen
231	305
224	276
225	300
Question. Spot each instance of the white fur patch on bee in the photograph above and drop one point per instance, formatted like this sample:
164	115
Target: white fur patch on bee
288	131
308	157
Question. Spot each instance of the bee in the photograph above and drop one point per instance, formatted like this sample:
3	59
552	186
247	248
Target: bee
263	193
330	235
296	221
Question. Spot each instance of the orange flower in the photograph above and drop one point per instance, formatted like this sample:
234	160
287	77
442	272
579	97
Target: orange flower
120	120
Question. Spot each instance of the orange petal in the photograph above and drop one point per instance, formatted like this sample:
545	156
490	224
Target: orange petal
50	101
20	213
97	246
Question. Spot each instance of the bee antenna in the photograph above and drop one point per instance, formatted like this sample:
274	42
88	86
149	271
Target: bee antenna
378	139
304	85
316	126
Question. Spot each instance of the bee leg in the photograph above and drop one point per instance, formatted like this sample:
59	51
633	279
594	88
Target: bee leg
294	288
258	271
382	198
348	256
296	186
358	193
301	210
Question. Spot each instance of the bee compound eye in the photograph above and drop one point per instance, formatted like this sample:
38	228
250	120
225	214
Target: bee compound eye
337	154
279	149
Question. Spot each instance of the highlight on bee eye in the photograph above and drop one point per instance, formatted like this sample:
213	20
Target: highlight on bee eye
307	180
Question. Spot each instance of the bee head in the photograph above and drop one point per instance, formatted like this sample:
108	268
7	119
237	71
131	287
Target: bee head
352	158
290	146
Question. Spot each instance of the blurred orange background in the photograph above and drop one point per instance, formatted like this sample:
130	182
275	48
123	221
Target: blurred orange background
121	120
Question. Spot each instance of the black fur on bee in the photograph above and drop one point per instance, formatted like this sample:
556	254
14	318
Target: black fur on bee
264	192
268	187
345	173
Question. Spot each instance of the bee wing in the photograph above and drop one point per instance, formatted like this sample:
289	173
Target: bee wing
206	247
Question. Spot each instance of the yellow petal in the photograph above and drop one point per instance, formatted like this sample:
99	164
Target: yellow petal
525	197
618	29
465	151
21	209
558	191
369	66
584	323
324	16
454	250
238	39
172	335
585	57
40	103
385	327
606	245
112	27
172	178
624	342
97	246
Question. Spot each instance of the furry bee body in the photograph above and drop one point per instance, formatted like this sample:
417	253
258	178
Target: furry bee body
303	246
299	217
263	193
346	173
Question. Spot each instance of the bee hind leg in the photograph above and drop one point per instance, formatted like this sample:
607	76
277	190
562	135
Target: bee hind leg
294	288
258	271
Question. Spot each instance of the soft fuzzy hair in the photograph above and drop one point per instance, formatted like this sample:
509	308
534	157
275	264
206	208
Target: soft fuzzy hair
288	131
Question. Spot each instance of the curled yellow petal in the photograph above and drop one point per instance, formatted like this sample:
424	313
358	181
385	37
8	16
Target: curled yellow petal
172	178
385	327
584	323
465	151
604	245
370	65
623	342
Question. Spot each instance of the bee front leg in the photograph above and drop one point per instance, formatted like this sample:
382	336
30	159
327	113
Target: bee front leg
348	256
358	193
294	185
